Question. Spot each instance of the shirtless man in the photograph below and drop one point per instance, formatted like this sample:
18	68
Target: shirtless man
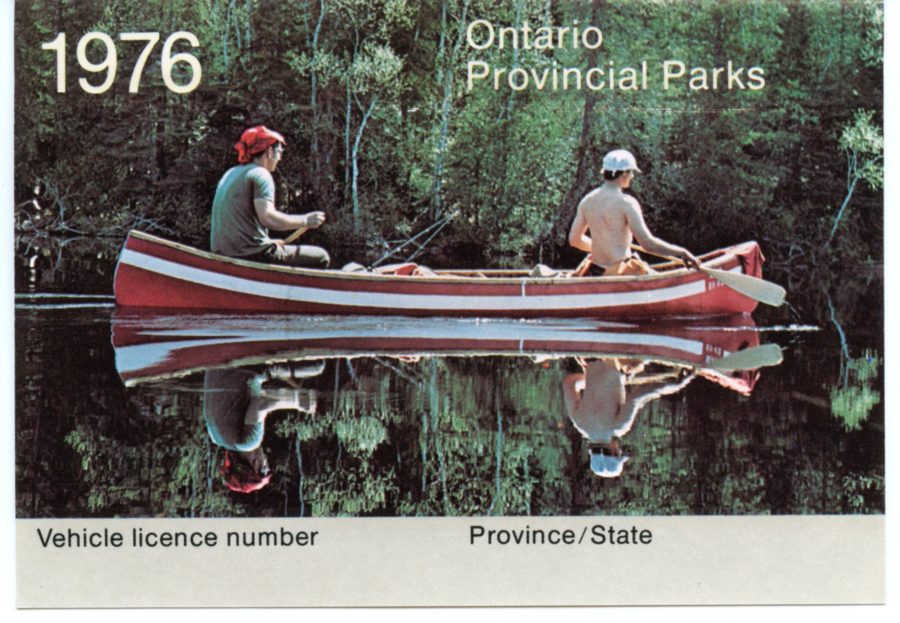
244	208
604	400
614	219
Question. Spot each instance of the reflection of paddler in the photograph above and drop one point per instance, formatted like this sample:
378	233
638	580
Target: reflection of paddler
236	403
603	409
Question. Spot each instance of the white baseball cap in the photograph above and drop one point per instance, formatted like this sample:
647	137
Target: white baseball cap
620	160
607	466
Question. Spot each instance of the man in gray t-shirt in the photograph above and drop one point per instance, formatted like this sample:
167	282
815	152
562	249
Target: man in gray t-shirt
244	209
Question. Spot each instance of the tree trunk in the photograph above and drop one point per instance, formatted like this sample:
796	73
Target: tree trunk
506	119
357	217
314	104
348	112
441	150
226	33
587	155
445	78
853	177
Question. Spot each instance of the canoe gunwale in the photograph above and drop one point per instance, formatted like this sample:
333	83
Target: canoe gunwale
713	259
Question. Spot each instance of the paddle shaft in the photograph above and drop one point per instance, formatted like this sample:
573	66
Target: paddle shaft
297	233
583	267
671	258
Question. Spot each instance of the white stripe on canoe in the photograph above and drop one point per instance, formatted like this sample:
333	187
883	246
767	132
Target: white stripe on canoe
141	356
400	301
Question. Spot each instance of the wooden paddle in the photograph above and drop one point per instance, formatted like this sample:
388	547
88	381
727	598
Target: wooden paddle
582	268
297	233
748	359
748	285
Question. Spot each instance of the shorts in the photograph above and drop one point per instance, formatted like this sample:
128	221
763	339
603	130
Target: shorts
629	266
304	255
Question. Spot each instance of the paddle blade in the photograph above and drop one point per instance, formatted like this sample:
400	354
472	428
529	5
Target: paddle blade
748	359
752	287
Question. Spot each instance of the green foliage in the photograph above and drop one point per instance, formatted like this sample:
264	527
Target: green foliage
461	436
859	489
852	401
384	136
863	141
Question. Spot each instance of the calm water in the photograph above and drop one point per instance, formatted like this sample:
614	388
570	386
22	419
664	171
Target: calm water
130	415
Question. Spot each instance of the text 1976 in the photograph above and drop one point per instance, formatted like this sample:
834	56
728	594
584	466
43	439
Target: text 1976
168	60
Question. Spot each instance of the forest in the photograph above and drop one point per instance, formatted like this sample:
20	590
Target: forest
388	132
770	129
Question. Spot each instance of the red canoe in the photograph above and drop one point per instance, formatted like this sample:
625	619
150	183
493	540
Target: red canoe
156	273
152	347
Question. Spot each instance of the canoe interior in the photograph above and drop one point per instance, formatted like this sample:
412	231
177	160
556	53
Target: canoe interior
666	269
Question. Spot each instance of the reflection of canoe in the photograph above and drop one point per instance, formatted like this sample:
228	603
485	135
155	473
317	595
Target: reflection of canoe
153	272
151	347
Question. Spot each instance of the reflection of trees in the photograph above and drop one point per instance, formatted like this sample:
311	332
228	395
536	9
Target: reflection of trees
853	397
333	450
170	470
457	437
796	459
450	454
475	436
852	401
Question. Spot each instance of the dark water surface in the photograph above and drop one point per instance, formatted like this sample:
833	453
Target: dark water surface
123	415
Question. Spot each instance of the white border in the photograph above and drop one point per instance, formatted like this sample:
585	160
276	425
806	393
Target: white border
821	614
891	197
7	381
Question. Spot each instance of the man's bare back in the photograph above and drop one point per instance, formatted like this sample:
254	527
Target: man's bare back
605	213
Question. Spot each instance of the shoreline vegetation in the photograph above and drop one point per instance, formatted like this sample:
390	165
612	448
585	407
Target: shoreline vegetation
386	138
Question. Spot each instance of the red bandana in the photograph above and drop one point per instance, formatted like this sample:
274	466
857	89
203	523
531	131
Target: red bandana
256	140
239	476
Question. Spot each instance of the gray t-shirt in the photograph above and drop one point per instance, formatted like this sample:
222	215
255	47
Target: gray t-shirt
235	229
226	400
